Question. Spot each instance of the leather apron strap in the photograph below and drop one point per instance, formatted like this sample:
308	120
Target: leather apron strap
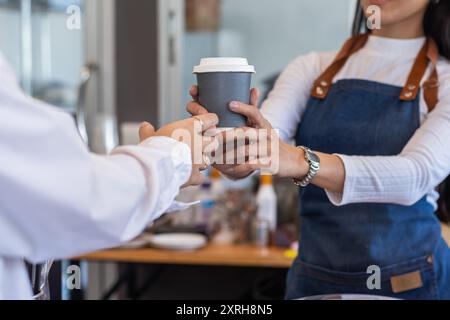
428	54
431	86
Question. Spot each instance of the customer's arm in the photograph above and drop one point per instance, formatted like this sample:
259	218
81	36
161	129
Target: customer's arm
58	200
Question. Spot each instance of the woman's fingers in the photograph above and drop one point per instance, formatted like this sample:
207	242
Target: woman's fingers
242	154
251	112
254	97
239	136
194	92
263	164
195	109
146	131
248	110
210	145
239	145
233	154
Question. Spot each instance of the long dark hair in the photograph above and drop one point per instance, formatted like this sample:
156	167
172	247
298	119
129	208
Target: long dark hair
436	24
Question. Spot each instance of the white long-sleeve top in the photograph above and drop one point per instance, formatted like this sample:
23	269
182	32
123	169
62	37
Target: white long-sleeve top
57	200
401	179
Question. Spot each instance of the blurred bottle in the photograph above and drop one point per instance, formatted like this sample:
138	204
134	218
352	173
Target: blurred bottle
207	203
217	186
267	202
261	233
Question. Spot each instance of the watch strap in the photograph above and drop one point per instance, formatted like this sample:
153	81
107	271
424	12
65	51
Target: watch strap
314	168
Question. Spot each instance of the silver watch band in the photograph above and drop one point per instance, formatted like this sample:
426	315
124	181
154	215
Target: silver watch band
314	168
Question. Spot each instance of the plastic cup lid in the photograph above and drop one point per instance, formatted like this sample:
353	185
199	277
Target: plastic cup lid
209	65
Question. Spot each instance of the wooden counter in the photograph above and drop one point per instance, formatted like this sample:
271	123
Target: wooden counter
446	233
212	255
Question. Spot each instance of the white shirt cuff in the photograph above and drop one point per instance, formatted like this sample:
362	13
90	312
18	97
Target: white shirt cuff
344	198
181	206
169	166
180	155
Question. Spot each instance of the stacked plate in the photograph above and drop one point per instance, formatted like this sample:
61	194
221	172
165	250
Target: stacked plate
169	241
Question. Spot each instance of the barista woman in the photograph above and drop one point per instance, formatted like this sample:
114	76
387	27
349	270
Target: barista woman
372	126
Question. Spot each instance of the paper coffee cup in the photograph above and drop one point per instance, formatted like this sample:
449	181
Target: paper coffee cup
221	81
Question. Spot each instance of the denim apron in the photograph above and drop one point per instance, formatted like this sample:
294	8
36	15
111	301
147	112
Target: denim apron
342	247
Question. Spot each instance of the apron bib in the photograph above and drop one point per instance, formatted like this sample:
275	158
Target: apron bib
339	245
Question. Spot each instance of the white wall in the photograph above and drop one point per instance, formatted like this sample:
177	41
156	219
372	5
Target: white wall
276	31
10	37
271	33
57	51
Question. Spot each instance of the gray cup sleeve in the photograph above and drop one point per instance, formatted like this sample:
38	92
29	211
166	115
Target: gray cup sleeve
217	90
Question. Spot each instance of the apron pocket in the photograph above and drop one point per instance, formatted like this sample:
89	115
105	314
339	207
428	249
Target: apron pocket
414	279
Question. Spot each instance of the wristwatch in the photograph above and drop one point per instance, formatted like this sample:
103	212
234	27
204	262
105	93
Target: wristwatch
314	167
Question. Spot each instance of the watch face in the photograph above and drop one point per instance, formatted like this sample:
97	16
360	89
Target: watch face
313	157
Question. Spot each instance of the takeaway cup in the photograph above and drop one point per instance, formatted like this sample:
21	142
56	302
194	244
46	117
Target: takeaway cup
221	81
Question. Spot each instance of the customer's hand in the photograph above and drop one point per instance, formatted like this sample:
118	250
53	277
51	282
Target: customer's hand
190	132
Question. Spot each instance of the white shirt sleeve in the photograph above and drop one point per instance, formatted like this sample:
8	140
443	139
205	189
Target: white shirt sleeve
402	179
58	200
286	103
406	178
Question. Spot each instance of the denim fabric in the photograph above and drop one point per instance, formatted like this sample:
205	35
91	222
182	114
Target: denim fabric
364	118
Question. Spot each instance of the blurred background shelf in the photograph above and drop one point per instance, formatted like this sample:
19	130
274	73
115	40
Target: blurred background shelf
234	271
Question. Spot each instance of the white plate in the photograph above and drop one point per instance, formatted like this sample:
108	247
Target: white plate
135	244
177	241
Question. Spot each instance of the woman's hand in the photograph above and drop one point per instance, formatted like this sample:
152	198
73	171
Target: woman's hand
272	155
279	158
195	109
190	132
291	160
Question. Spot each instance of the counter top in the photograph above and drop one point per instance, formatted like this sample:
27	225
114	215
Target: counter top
212	255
